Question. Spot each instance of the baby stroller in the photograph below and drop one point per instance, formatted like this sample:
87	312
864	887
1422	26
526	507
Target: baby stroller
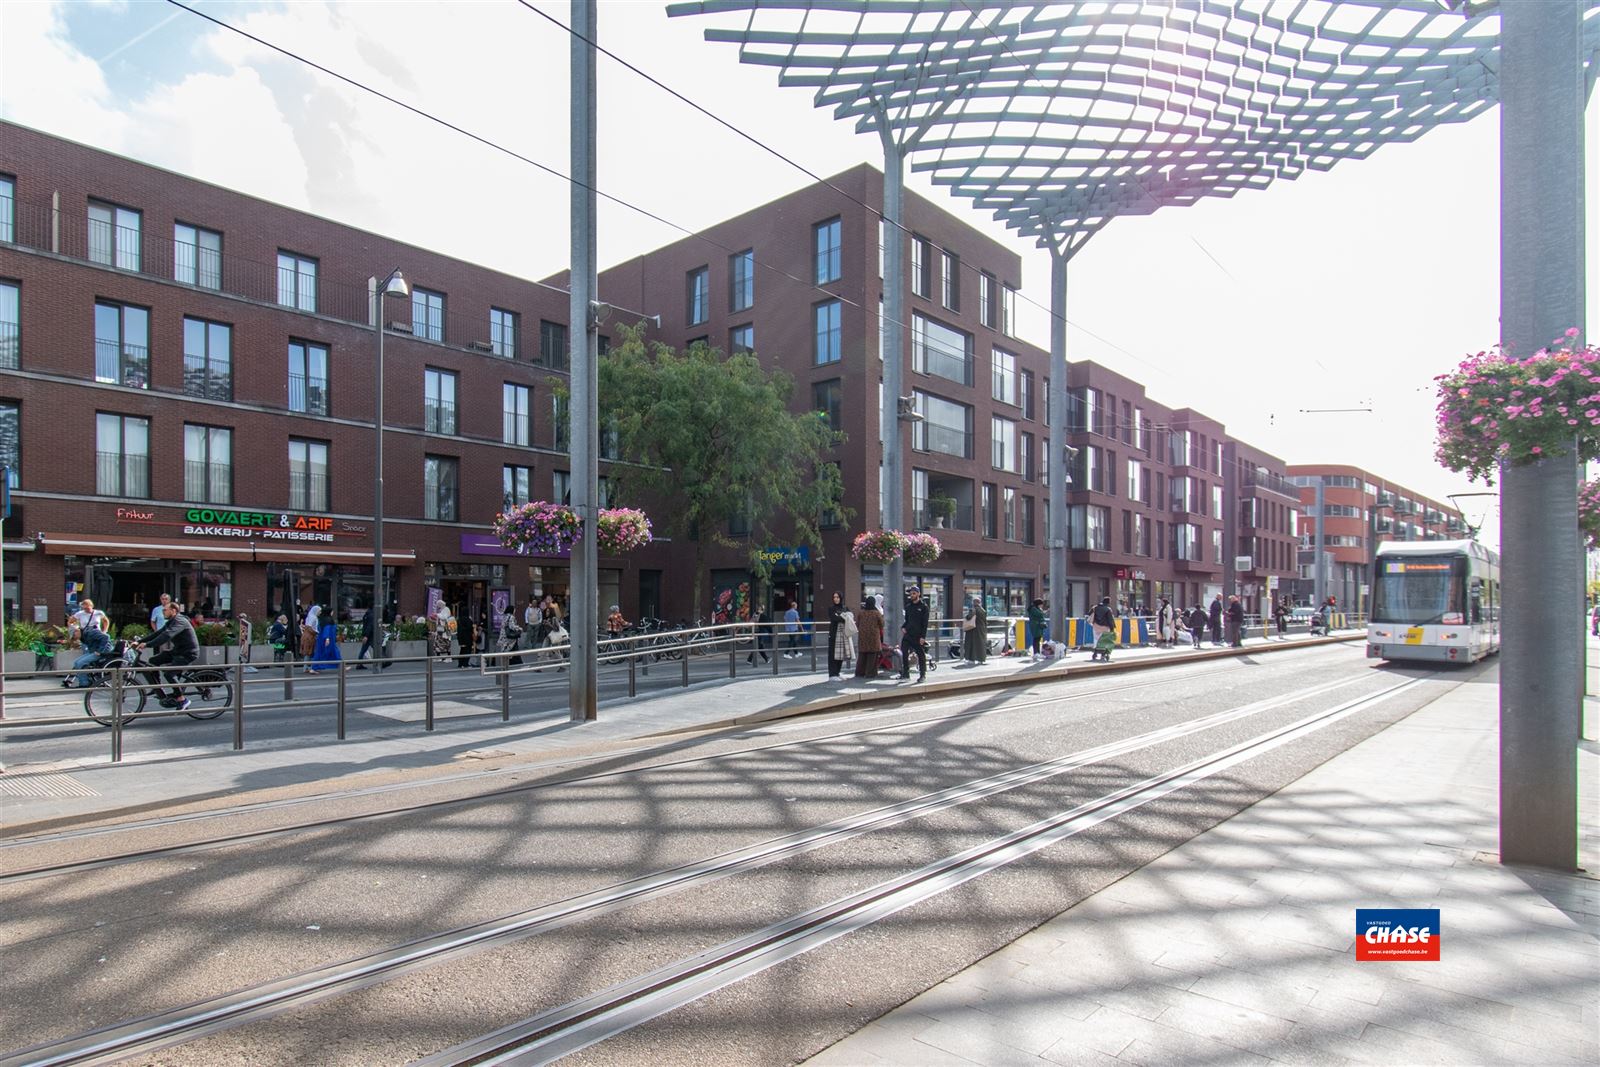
1103	647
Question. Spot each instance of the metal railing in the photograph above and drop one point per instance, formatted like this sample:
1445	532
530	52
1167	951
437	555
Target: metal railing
122	474
120	363
10	346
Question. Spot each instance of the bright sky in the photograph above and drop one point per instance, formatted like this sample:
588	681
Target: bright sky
1345	289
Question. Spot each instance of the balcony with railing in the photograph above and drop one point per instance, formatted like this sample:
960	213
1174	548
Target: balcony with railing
308	491
207	483
10	346
122	474
309	395
932	437
207	379
122	364
439	416
1257	478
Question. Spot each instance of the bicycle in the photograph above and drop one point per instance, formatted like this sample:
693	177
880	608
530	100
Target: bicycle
208	688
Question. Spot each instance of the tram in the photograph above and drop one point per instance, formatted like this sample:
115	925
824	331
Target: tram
1435	600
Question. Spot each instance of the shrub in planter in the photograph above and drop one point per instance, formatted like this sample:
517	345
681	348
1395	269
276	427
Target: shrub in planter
621	530
942	507
214	633
922	549
22	636
1495	409
411	631
878	546
538	528
132	631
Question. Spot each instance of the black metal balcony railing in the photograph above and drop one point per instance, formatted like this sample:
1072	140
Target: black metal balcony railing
307	491
122	474
206	379
439	416
121	364
1273	483
207	483
963	519
936	360
10	346
931	437
309	395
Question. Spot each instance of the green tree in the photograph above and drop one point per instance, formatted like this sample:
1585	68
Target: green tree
711	436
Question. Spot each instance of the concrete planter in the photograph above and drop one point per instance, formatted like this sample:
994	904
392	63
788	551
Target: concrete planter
21	663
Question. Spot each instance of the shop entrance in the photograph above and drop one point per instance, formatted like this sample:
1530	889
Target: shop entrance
127	590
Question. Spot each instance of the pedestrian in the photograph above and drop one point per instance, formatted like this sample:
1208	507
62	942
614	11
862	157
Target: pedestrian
369	638
1280	615
325	654
178	633
837	641
158	616
440	630
1235	622
510	636
791	631
466	641
1215	619
914	635
1035	631
852	638
1102	618
758	626
93	632
1198	620
1595	630
1328	609
310	627
1165	618
869	626
278	638
975	633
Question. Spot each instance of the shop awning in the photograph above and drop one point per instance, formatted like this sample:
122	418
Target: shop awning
60	544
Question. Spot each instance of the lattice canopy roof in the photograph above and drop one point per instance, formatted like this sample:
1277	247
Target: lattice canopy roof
1059	117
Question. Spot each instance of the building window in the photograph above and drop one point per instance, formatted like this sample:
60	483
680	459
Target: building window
516	414
207	359
553	344
1138	482
10	326
11	440
308	475
990	522
698	285
829	345
986	283
1008	311
115	235
741	280
8	208
297	281
121	345
1003	379
826	242
1025	521
308	378
561	485
1025	393
439	401
516	485
921	266
950	266
427	314
440	477
122	455
197	256
207	465
828	398
560	422
1003	444
829	518
1025	455
742	338
503	333
946	426
939	350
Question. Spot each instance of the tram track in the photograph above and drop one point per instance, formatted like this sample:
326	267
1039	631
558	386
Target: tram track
257	1002
16	875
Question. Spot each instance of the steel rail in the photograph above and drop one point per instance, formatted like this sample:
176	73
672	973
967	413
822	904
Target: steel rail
187	1023
550	1035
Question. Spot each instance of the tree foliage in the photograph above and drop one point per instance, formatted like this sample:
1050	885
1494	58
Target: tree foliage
711	436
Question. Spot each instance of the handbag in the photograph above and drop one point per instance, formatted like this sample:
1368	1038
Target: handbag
969	624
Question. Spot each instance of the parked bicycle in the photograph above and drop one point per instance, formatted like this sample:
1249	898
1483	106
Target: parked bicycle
209	691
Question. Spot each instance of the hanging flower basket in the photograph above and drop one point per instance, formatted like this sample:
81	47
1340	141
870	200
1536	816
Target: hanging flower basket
1496	409
622	530
922	549
1589	512
879	546
538	528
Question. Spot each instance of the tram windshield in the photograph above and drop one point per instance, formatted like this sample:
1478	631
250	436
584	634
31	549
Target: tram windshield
1417	590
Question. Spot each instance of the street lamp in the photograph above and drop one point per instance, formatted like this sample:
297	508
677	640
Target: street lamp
392	285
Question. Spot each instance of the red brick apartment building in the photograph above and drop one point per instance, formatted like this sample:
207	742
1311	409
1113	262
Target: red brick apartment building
187	395
1361	511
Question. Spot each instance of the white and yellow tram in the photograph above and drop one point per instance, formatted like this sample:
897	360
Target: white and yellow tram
1435	600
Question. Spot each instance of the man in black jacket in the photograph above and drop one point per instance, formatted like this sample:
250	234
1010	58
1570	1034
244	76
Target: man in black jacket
1215	619
183	647
914	635
1235	622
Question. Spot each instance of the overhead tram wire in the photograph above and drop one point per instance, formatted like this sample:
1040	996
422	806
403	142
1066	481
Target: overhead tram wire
808	172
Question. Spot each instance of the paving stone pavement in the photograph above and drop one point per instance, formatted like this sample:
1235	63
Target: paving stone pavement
1238	946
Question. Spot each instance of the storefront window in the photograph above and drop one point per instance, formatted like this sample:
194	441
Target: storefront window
127	590
344	589
551	581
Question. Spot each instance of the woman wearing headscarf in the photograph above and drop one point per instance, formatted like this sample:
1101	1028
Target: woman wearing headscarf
310	630
838	639
326	656
975	632
443	623
869	627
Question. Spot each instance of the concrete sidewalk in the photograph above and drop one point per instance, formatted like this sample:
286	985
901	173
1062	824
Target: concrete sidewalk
150	780
1238	946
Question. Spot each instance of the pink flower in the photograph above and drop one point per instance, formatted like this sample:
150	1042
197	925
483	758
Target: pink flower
1536	450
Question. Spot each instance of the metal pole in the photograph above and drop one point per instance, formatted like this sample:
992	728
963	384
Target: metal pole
633	680
894	316
1230	518
733	655
427	694
238	706
1541	295
505	696
378	600
583	431
1060	602
339	704
686	659
116	714
288	678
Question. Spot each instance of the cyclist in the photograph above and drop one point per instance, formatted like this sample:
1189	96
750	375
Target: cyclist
177	633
